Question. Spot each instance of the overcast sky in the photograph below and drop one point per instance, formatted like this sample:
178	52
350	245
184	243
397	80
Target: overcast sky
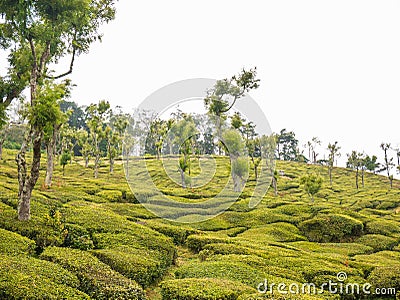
329	69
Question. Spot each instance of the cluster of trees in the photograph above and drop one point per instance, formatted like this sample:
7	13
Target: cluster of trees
36	35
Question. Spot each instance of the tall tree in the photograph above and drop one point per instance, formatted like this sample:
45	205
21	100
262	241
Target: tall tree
223	96
38	33
333	154
287	146
83	140
388	162
371	163
114	135
354	162
97	116
268	149
235	146
54	93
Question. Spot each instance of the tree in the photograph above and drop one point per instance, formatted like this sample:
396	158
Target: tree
64	159
76	117
371	163
38	33
53	94
287	146
268	149
223	96
114	134
97	115
235	146
312	153
4	127
84	142
354	161
333	153
312	184
388	162
184	133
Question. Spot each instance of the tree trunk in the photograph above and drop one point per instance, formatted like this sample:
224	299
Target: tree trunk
50	149
96	166
357	179
27	182
1	149
275	185
63	170
127	166
330	175
182	178
362	177
111	165
86	161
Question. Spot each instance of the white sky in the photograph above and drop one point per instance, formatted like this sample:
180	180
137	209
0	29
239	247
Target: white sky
329	69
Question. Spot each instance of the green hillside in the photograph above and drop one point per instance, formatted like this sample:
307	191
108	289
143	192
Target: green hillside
91	238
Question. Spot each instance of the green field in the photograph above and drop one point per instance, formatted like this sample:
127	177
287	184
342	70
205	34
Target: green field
91	238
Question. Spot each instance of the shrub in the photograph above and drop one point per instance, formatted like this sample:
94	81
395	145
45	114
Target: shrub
331	228
234	270
280	232
202	289
78	237
384	227
135	264
177	233
159	246
111	195
12	243
37	228
221	248
385	277
97	279
29	278
280	296
378	242
197	242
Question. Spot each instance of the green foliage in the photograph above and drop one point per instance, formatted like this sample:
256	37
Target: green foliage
312	184
110	196
233	270
97	279
383	227
30	278
331	228
132	263
202	289
385	277
78	237
12	243
197	242
378	242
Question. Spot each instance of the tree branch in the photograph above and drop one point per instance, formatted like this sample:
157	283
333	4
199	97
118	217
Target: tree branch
71	66
44	57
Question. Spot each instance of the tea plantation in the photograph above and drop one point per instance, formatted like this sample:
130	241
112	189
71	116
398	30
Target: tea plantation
92	239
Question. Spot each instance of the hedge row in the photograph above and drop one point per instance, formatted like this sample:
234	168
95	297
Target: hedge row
97	279
203	289
12	243
135	264
331	228
29	278
198	242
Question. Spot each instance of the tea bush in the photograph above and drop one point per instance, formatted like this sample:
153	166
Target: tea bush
202	289
97	279
331	228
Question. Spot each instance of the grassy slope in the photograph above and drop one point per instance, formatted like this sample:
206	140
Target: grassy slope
277	240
